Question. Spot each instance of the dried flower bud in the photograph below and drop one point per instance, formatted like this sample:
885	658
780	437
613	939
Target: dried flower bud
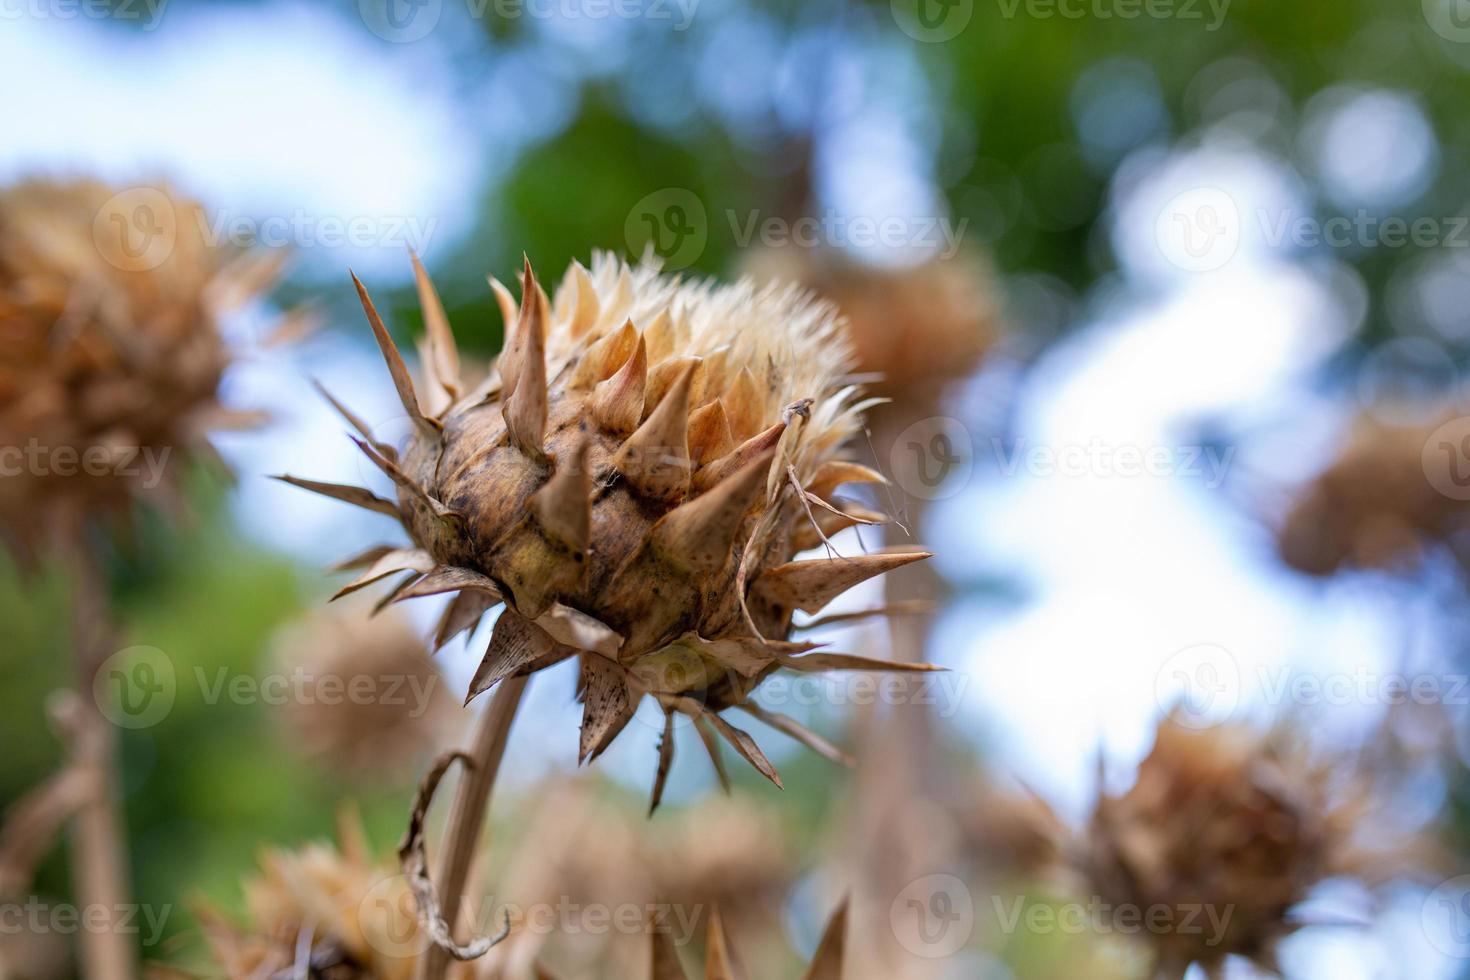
367	702
1232	821
1373	507
633	481
110	352
323	912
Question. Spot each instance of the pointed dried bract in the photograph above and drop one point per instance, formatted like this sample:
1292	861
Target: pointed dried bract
111	352
369	702
827	963
1241	822
633	488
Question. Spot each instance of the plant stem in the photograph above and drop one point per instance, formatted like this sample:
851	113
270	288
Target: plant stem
99	852
467	815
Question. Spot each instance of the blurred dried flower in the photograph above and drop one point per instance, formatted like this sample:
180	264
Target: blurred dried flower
827	963
1239	823
1373	507
371	704
911	327
586	847
110	349
632	481
323	912
1012	832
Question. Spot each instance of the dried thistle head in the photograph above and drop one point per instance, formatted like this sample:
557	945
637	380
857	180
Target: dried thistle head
110	349
334	913
369	703
1012	832
633	480
911	328
1373	507
1240	823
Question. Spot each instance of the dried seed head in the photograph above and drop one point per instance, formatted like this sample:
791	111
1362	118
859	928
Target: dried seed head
1226	818
323	911
370	704
910	327
110	351
1374	506
589	484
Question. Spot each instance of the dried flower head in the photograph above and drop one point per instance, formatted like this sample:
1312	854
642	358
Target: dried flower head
110	349
323	912
1373	507
910	327
633	481
371	703
1012	832
1239	823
